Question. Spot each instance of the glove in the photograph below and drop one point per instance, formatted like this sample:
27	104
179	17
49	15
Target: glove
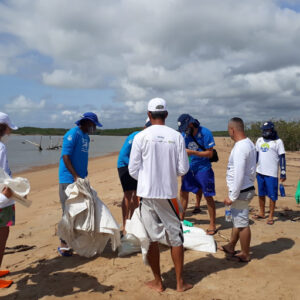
297	195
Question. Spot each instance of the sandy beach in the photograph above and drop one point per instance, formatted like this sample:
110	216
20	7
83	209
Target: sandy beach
40	273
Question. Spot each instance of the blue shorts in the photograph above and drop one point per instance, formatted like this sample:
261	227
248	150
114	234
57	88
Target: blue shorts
267	186
204	180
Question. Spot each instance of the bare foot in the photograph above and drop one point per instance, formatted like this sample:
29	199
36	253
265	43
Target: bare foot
155	285
184	287
227	249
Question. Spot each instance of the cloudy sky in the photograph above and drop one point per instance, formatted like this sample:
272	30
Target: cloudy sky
214	59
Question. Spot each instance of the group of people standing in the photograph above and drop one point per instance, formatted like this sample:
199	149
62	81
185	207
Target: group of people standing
149	164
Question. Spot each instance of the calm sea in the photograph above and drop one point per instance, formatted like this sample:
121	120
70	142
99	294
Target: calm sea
22	155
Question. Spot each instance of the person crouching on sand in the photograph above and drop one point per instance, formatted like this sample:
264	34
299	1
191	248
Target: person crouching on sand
73	162
7	205
157	157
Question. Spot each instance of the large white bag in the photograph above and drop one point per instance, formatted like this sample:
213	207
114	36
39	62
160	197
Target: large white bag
87	224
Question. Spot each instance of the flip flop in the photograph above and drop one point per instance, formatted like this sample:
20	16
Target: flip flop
270	222
211	231
5	283
226	251
196	210
238	259
64	251
3	273
258	217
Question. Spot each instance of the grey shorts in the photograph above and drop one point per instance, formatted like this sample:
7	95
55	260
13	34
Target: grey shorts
240	209
62	195
160	218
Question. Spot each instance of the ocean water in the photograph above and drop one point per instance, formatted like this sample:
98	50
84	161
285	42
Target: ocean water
22	155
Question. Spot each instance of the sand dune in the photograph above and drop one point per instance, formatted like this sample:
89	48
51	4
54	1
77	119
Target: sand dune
39	273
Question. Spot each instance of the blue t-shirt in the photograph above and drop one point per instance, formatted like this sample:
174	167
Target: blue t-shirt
76	146
205	138
123	159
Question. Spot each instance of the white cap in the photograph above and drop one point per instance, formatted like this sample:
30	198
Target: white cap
4	119
157	104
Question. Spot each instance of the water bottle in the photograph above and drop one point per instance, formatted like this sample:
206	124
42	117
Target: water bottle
228	216
282	190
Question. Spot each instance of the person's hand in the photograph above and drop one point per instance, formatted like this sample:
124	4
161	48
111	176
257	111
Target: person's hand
282	179
227	201
7	192
297	195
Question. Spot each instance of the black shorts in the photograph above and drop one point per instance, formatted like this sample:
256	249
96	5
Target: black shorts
128	183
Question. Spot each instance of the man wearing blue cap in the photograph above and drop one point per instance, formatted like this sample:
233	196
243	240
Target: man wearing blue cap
270	154
73	162
199	143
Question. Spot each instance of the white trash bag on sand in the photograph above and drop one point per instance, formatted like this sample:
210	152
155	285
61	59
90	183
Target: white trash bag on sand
19	185
129	245
87	224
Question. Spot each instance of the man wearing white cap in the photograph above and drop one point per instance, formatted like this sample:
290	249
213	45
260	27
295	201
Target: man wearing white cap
7	204
157	157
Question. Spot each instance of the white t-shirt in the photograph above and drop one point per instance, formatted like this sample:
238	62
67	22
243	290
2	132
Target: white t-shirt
4	202
241	168
157	157
268	156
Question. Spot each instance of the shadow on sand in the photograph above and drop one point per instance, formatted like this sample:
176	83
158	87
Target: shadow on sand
196	270
48	278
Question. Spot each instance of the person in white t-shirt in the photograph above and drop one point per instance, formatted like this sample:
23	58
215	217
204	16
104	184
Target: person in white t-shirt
7	204
157	157
270	154
240	181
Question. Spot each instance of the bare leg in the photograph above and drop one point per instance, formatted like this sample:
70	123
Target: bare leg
235	234
198	198
212	212
125	206
177	256
134	203
262	201
184	198
272	209
245	238
153	259
4	232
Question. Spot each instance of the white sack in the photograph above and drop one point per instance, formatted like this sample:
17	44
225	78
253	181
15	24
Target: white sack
87	224
19	185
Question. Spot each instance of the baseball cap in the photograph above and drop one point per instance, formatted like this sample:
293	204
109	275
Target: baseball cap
4	119
267	126
157	104
89	116
183	122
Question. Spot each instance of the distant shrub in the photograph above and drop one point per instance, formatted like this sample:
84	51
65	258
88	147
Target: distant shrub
289	132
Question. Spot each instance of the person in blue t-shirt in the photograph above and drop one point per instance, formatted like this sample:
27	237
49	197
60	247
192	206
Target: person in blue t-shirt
200	175
73	162
129	184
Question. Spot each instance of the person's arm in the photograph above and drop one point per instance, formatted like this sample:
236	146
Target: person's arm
207	153
135	160
69	166
183	161
239	161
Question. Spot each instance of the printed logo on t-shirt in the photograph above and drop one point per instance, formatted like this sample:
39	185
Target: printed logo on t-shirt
193	146
69	138
84	147
265	147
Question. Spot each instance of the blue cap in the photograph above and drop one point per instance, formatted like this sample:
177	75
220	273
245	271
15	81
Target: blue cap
267	126
183	122
90	116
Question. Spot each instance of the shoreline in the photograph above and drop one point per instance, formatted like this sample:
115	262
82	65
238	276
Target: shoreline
34	169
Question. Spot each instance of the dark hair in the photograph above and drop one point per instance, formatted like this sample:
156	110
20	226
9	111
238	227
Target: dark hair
3	128
239	123
159	115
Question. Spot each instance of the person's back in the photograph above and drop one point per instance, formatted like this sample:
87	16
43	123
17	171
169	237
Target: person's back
161	160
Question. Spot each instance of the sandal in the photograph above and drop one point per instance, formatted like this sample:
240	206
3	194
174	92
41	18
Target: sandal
64	251
270	222
196	210
211	231
258	217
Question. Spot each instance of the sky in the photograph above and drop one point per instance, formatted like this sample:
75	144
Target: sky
213	59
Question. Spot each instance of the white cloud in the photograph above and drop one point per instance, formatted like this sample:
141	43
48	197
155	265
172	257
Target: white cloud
24	105
210	58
